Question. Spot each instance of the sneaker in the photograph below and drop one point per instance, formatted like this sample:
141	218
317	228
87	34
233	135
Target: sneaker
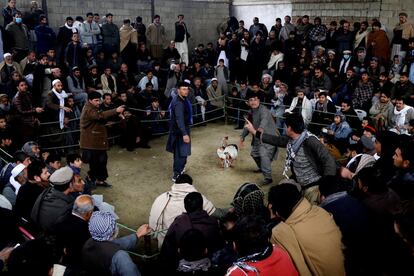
266	181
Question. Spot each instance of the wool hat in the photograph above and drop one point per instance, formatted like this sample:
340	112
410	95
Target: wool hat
61	176
331	51
17	170
102	226
27	148
55	81
370	129
367	143
94	95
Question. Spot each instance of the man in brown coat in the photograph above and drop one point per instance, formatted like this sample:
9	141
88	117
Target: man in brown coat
93	137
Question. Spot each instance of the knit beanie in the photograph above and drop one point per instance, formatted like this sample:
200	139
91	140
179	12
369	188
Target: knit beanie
102	226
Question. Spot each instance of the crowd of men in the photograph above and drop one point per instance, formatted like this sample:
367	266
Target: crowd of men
339	97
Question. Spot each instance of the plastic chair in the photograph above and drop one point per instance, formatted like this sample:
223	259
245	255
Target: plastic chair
361	114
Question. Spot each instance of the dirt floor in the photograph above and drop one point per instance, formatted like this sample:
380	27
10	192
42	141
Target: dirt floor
139	177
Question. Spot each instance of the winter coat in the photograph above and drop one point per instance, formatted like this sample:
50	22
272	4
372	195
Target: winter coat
18	34
46	38
93	133
312	239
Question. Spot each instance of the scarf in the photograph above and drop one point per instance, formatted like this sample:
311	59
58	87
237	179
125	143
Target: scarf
73	28
242	262
400	115
15	184
293	148
322	107
407	29
61	96
344	65
199	265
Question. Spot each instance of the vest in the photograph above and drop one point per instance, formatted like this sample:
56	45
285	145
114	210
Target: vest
97	257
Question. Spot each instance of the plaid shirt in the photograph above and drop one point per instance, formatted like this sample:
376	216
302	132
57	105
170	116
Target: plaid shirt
318	33
362	94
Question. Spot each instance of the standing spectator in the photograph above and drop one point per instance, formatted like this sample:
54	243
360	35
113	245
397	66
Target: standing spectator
156	37
256	60
222	75
344	38
361	36
301	105
287	29
403	31
9	12
181	38
110	34
316	250
256	253
46	37
331	36
179	143
64	36
256	26
378	44
262	154
74	53
277	27
19	37
128	44
26	121
93	138
141	29
317	34
89	31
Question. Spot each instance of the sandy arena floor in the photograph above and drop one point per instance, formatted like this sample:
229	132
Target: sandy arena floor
139	177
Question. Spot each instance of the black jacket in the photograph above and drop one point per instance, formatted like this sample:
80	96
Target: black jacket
180	31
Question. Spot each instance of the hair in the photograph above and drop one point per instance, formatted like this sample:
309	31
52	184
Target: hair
156	16
283	198
19	156
71	157
184	179
333	23
79	18
328	185
347	101
193	202
251	235
127	21
106	95
403	14
52	158
386	93
96	14
376	24
109	14
138	19
41	17
89	14
295	122
69	18
35	169
83	208
370	177
278	19
193	245
407	150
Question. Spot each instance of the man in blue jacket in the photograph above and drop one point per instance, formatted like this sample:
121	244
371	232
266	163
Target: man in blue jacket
179	135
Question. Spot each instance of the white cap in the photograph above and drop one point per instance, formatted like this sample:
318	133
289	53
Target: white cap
17	170
7	55
187	81
214	79
55	81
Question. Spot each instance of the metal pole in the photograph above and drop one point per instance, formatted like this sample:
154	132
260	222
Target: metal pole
44	7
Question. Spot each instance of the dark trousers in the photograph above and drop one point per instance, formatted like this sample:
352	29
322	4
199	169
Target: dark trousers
179	161
97	160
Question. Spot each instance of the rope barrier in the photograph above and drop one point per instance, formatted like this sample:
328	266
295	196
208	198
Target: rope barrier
6	153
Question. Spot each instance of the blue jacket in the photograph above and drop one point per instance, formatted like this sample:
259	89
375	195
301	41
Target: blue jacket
180	120
46	38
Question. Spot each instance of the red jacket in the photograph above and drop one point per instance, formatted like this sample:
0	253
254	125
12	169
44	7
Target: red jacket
278	263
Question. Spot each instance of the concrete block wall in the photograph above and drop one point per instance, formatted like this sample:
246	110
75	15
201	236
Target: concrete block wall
390	10
329	10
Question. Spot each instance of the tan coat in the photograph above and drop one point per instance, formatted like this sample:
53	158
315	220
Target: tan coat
93	134
312	239
105	85
127	34
156	35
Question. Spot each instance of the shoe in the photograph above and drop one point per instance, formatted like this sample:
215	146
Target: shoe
257	171
103	184
266	181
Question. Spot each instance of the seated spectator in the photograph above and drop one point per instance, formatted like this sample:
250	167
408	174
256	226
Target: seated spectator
169	205
19	157
145	60
93	80
350	114
194	218
109	82
11	86
7	67
17	179
170	55
56	202
74	161
37	182
193	254
301	105
53	163
76	86
379	111
256	253
307	232
155	114
320	81
115	63
361	98
73	232
215	93
400	116
126	79
32	149
403	89
103	254
6	147
149	78
144	97
340	130
324	111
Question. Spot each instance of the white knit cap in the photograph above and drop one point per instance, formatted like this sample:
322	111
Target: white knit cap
55	81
